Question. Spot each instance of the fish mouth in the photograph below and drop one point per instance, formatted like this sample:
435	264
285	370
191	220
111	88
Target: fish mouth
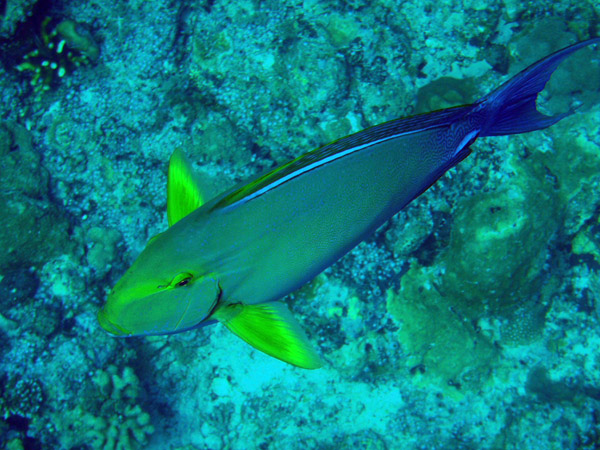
109	326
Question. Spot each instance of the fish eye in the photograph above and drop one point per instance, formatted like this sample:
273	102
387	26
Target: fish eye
181	280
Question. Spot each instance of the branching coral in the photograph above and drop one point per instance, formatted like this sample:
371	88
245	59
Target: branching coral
21	397
115	421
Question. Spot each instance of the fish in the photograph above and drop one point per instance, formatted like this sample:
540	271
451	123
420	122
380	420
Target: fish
232	258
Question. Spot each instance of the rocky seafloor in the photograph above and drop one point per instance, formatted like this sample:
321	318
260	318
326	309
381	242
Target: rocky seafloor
468	321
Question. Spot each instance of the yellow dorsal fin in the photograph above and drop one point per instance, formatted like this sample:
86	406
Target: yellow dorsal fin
183	191
270	328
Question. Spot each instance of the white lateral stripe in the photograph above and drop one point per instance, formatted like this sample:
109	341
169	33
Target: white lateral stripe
310	167
466	141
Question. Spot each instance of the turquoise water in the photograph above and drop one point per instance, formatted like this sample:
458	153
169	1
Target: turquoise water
469	321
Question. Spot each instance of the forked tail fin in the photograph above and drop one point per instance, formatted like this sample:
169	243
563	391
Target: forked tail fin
511	108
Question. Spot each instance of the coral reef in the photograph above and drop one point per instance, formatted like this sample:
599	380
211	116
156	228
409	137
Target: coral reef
119	423
103	249
59	50
20	397
470	320
15	12
444	347
445	92
26	205
498	244
492	267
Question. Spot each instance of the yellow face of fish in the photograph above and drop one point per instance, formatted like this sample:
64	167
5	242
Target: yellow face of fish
158	296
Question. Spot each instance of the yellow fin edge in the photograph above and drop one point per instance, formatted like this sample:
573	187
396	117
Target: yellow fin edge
183	192
270	328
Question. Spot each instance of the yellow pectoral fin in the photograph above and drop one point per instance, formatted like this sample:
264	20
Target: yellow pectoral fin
270	328
183	191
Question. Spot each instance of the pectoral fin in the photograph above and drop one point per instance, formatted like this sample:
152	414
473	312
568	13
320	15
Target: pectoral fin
183	190
270	328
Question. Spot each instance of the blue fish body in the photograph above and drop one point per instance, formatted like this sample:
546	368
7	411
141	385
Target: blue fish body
230	259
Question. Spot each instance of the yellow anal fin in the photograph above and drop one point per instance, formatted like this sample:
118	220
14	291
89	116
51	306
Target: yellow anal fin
270	328
183	191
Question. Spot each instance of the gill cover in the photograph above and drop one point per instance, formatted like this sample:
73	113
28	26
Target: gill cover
144	302
145	308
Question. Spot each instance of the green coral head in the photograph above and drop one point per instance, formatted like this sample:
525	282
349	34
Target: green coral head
78	37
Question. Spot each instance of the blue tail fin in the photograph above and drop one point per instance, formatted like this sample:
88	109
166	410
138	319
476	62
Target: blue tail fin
511	108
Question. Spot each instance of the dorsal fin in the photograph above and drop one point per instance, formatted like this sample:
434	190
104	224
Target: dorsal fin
183	191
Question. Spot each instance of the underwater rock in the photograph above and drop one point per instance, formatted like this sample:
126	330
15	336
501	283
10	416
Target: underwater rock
586	244
498	244
332	130
540	37
573	165
221	387
278	91
32	229
15	444
493	266
17	290
5	140
575	76
366	439
18	285
417	225
545	389
498	57
220	140
443	347
44	232
341	29
78	37
445	92
16	11
103	249
65	279
8	326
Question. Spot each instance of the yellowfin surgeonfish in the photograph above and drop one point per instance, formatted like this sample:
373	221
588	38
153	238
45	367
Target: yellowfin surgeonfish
231	258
